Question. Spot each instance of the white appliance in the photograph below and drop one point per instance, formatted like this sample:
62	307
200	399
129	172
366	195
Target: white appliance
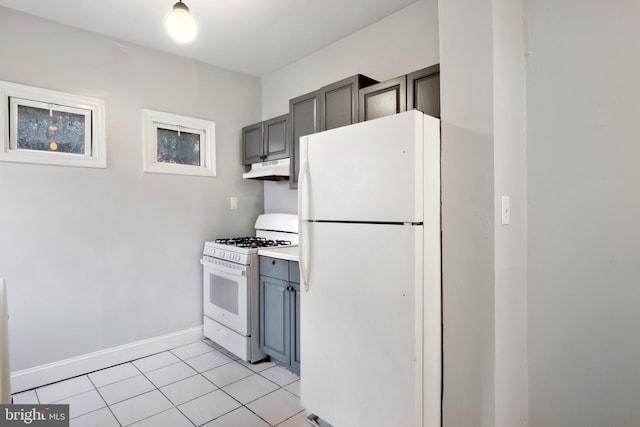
272	170
231	284
369	210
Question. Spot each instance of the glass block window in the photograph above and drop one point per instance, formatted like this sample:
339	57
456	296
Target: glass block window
178	144
49	127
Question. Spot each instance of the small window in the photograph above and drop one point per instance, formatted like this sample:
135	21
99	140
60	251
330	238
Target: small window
178	144
49	127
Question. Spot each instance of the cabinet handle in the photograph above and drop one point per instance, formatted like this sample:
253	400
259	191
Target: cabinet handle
273	262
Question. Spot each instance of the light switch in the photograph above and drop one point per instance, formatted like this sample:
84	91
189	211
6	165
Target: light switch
506	210
234	202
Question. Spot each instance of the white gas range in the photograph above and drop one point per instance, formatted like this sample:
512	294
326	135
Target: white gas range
231	284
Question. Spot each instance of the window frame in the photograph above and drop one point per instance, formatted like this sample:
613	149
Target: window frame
13	95
153	120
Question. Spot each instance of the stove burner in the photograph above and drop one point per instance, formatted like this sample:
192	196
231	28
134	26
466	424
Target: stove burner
252	242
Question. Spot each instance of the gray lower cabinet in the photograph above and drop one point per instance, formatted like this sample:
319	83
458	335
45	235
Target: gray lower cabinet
280	311
294	277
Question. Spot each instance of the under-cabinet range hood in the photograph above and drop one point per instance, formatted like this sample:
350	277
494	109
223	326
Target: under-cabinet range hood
274	170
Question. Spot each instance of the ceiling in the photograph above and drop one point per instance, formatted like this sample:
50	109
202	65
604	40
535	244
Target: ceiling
255	37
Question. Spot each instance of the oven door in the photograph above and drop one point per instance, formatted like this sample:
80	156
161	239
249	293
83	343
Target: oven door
225	293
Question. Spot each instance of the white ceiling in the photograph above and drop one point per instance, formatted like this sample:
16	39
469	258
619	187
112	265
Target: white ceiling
256	37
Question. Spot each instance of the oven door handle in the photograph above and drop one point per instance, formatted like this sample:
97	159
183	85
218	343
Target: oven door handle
225	267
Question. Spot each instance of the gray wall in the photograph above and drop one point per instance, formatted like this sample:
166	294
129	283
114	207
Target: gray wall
466	78
509	179
100	258
583	99
484	261
398	44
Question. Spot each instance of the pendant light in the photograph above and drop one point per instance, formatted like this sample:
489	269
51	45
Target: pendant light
180	24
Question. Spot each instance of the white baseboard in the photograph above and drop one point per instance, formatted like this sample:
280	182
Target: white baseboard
51	372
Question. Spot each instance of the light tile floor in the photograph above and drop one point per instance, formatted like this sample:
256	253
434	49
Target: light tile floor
198	384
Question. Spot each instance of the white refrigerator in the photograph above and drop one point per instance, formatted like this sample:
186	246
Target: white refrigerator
369	237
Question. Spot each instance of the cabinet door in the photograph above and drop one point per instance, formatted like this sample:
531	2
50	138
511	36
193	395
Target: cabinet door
339	101
305	120
275	138
274	267
294	272
383	99
295	327
252	144
423	90
275	319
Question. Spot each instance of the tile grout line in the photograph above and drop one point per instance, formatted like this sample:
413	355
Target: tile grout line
71	395
233	358
165	396
242	405
102	397
191	376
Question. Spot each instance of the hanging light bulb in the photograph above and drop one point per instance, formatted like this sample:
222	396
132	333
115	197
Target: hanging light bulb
180	24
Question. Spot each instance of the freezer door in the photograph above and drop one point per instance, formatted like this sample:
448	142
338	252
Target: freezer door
362	329
370	171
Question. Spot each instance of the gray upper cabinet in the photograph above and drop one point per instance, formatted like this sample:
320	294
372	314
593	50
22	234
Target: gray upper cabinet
252	144
423	90
419	90
339	101
275	138
383	99
329	107
304	114
265	140
355	99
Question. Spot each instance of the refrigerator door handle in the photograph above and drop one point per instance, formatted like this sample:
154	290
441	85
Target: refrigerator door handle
304	268
304	168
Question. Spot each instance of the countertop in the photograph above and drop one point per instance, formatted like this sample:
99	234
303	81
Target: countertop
289	253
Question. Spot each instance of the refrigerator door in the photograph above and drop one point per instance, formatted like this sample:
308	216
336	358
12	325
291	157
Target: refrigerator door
362	328
369	172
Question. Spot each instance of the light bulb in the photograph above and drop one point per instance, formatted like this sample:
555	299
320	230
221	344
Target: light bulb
180	24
